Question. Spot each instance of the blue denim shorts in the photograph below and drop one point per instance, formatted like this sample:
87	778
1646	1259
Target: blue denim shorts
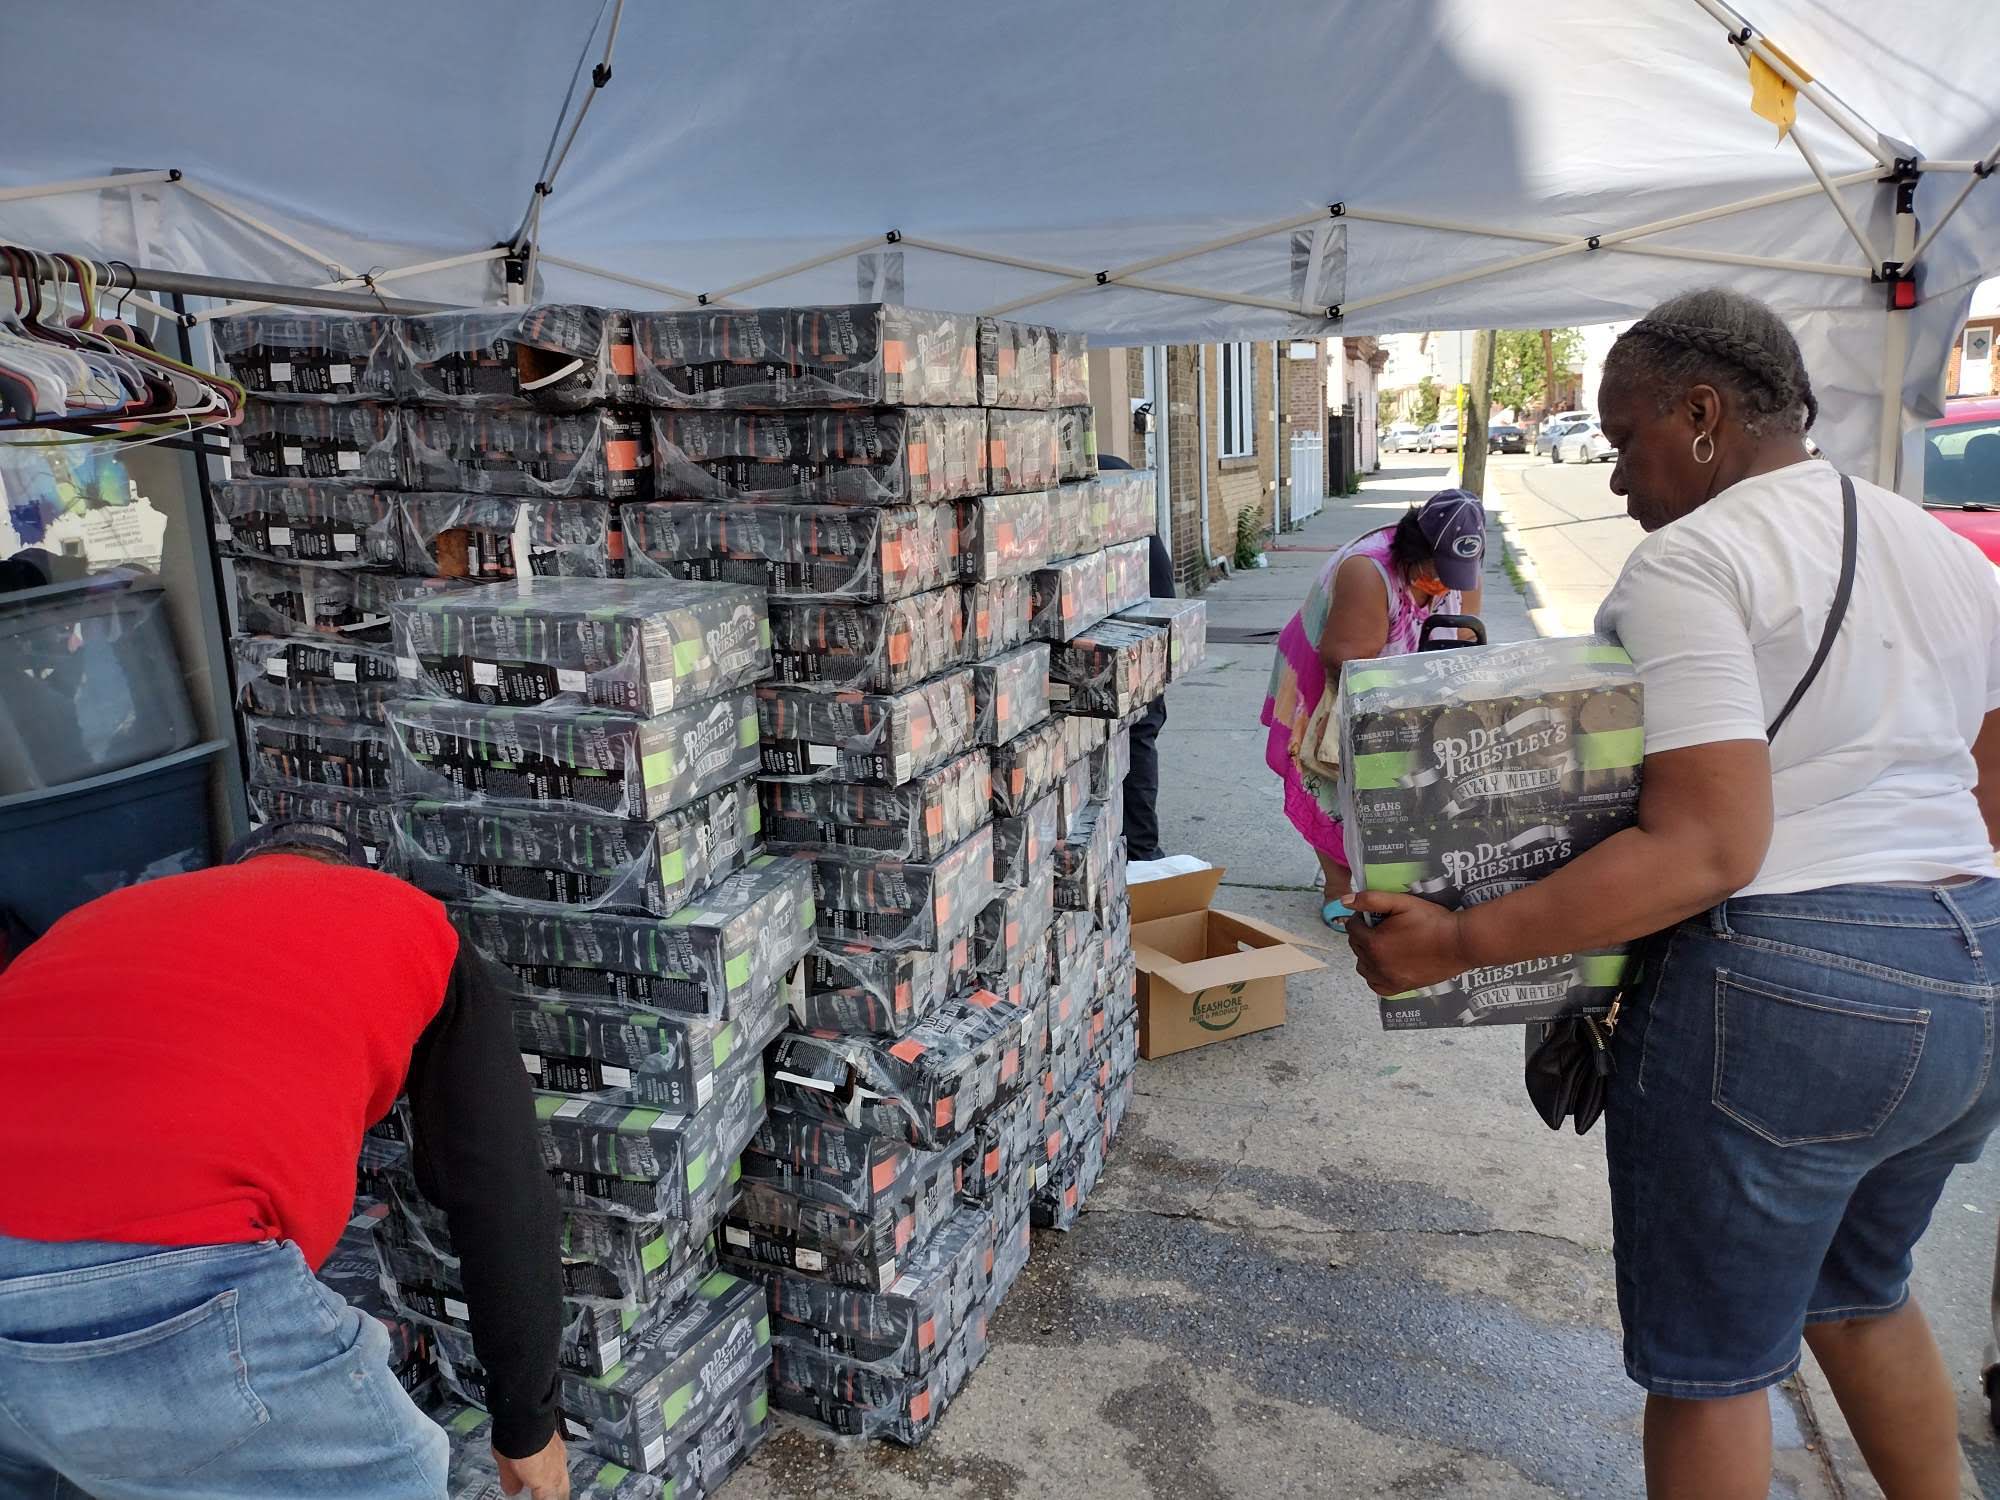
1796	1078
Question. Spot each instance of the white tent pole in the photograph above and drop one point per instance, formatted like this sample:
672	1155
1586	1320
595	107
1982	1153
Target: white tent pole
1896	342
1598	242
1667	252
224	206
452	262
1084	280
1742	34
1833	196
1889	433
996	258
1956	203
554	157
1162	288
803	266
622	278
86	185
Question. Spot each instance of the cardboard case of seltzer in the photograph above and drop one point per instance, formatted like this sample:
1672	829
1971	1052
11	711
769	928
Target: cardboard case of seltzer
1469	774
1205	975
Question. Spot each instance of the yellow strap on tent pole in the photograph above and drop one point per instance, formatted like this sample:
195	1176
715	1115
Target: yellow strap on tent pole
1772	97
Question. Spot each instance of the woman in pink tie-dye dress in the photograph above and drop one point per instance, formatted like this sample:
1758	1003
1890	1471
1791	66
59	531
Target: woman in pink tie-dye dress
1371	600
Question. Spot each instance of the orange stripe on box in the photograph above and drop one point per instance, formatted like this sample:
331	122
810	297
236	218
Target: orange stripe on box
621	454
624	360
926	1333
918	457
884	1174
947	1110
908	1050
899	648
933	821
920	1406
893	355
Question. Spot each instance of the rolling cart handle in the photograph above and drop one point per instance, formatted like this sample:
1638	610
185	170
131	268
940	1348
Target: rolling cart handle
1451	622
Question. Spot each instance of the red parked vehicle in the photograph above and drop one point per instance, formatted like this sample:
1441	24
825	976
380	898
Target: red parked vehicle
1962	471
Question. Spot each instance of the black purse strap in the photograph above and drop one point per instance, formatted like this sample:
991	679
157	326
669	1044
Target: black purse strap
1849	545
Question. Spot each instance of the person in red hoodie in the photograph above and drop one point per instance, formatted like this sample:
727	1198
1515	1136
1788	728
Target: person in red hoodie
192	1063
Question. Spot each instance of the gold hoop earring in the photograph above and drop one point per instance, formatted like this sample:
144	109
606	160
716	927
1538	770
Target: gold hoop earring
1695	448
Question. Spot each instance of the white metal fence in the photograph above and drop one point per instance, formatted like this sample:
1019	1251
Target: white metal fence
1308	477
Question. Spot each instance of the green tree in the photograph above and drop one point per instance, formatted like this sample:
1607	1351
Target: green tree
1520	370
1427	402
1385	408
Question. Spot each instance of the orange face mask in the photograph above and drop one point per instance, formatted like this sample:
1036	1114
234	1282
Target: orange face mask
1429	588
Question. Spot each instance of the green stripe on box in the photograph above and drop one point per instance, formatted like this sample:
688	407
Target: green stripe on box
736	973
687	657
657	767
1363	682
753	815
463	1422
674	867
1611	750
764	1330
1608	655
611	1476
760	1408
1392	877
725	1043
1605	970
697	1172
1374	773
746	731
638	1121
808	913
676	1406
653	1255
546	1106
718	1283
764	632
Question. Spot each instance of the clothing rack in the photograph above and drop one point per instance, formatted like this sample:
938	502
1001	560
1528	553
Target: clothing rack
121	274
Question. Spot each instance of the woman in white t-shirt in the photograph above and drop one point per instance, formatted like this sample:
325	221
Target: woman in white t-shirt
1810	1051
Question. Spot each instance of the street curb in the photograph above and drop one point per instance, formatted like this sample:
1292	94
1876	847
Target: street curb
1540	614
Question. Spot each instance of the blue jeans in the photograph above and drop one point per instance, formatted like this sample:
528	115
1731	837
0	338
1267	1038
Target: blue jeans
210	1373
1796	1078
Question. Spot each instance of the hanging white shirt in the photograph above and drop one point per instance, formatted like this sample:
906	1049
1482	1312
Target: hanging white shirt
1872	775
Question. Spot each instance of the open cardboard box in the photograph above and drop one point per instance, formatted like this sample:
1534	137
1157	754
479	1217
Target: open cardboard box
1205	975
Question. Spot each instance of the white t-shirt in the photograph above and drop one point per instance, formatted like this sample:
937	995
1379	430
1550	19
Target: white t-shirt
1872	775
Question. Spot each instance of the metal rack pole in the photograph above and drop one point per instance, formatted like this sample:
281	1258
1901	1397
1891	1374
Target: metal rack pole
190	284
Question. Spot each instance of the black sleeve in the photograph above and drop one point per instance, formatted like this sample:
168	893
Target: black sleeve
478	1157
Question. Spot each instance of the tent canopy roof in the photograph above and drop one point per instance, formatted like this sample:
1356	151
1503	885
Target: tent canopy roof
764	151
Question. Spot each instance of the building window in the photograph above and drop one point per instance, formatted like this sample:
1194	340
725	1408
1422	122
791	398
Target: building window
1238	437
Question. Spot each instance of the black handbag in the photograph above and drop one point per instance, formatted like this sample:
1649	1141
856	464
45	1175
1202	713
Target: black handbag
1569	1062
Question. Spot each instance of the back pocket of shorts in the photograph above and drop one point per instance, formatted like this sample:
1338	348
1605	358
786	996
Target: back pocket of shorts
1797	1067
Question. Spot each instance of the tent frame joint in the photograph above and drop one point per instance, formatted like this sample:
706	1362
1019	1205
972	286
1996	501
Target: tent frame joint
600	75
893	237
1336	210
174	174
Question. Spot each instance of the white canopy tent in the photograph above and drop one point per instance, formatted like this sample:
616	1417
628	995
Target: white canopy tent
1171	171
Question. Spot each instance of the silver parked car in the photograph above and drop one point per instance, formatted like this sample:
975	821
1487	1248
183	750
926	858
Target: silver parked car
1553	427
1584	443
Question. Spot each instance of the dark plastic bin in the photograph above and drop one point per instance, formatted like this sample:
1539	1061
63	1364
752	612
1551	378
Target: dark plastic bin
90	681
63	847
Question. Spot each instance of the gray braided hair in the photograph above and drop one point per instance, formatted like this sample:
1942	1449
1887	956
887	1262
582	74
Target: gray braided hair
1721	338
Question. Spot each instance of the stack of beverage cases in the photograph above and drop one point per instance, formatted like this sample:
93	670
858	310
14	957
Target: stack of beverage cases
755	687
1472	773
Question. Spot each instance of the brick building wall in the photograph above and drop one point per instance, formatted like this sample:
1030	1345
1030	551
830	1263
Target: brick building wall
1296	404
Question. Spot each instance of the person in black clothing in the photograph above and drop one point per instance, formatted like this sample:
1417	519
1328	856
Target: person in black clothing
1142	782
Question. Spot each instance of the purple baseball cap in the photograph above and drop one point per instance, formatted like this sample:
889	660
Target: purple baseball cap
1454	523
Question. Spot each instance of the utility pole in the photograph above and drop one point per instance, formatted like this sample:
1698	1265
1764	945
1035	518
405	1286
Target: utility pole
1548	373
1478	410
